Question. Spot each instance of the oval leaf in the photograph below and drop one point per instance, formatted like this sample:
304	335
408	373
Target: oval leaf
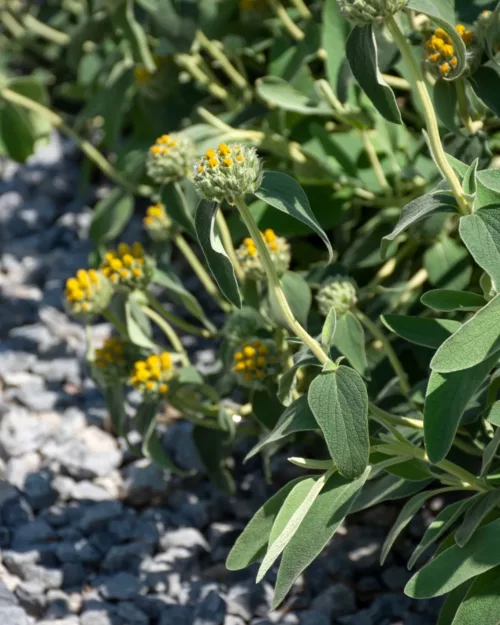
349	339
482	601
339	402
420	330
481	234
328	331
281	94
111	215
447	300
286	194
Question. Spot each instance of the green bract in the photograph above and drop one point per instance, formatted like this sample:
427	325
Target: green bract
170	158
338	293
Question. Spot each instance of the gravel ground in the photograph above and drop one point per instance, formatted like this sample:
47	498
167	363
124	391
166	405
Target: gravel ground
89	535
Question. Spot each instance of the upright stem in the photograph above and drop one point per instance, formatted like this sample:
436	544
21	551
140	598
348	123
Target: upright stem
302	8
463	106
374	161
225	64
169	332
227	242
45	31
391	354
180	323
190	65
87	148
113	320
275	285
430	116
286	20
200	271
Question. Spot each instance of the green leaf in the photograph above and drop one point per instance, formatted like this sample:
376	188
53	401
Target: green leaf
445	104
135	327
387	488
448	264
285	194
452	603
334	36
326	514
407	513
469	184
482	601
178	293
33	88
115	401
362	55
415	211
482	506
444	520
481	234
328	331
214	252
266	408
477	339
281	94
447	300
298	417
292	514
252	542
176	205
16	133
446	400
486	84
442	12
493	415
421	330
111	215
488	188
287	380
210	445
298	295
339	402
349	339
457	564
490	451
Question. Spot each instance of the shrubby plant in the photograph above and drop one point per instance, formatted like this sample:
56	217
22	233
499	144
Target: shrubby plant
371	127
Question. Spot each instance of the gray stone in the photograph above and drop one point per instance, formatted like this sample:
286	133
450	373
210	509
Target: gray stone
179	446
26	566
188	538
15	512
126	557
365	556
68	620
7	493
37	400
18	468
86	490
35	532
314	617
99	514
130	614
31	597
176	614
337	600
210	611
142	481
99	617
90	454
395	577
38	490
240	600
120	587
73	574
233	620
58	605
21	432
58	370
14	361
13	615
64	486
7	598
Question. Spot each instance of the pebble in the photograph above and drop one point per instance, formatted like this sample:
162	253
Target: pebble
122	587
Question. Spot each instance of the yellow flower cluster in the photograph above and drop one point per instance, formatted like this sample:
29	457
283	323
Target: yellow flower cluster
128	266
278	248
151	376
223	156
157	222
163	145
255	361
112	352
115	359
440	50
88	292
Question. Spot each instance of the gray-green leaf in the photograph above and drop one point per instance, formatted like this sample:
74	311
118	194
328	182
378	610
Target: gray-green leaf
481	234
421	330
349	339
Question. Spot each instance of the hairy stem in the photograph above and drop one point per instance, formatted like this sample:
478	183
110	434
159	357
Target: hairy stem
180	323
302	8
45	31
275	285
227	242
463	106
169	332
430	116
374	161
225	64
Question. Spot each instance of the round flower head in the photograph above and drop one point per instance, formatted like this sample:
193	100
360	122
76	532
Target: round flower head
88	293
363	12
157	222
228	173
152	376
170	158
115	359
128	267
441	56
278	248
256	361
339	293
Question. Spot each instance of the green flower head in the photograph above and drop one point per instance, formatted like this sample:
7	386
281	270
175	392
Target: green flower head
256	361
87	294
363	12
228	173
115	359
337	292
170	158
279	251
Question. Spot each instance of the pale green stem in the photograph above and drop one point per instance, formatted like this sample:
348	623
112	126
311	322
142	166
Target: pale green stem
87	148
113	319
374	161
89	352
190	65
227	242
225	64
200	271
180	323
302	8
430	116
275	285
169	332
45	31
463	106
391	354
397	82
397	420
286	20
12	25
